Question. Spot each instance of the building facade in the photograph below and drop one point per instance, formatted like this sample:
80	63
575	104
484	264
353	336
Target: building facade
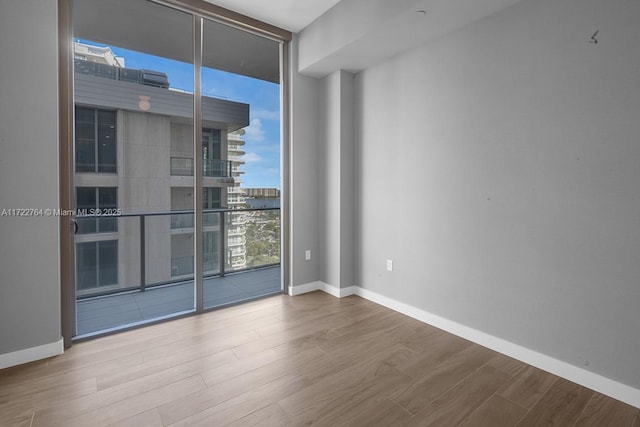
134	158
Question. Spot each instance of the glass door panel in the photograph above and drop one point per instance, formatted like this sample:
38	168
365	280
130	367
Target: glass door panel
240	148
133	95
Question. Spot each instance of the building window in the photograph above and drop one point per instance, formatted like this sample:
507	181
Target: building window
211	198
95	140
96	264
210	250
212	153
95	200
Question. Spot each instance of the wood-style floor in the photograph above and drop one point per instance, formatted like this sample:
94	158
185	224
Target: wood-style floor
311	359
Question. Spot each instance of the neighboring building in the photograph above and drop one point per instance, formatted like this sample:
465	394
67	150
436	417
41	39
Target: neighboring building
236	243
134	152
259	198
262	192
97	54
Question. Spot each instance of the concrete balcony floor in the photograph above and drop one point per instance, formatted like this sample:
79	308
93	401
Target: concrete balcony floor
130	308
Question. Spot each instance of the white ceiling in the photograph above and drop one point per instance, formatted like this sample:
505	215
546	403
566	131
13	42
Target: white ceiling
353	38
292	15
356	34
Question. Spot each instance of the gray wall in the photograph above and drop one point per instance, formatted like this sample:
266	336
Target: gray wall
304	173
499	167
336	179
29	262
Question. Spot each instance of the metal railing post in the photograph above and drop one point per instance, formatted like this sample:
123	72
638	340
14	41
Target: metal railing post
143	262
223	238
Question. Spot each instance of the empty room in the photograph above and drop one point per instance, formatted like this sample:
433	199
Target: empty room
323	212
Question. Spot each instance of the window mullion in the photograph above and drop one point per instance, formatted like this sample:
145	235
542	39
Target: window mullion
95	140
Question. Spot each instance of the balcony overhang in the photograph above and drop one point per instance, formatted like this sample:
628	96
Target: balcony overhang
157	30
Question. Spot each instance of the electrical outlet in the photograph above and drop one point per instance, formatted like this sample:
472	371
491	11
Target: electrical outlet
389	265
307	254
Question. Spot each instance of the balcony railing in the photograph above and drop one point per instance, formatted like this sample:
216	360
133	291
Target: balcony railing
186	221
183	166
182	221
142	260
181	266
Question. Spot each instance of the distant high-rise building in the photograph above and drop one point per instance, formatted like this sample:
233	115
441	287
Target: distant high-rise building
262	192
237	251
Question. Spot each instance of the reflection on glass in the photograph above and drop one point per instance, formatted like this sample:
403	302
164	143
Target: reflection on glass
240	240
133	94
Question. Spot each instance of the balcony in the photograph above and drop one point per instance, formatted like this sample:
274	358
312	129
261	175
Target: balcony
235	199
238	219
183	166
235	190
183	222
130	308
237	231
152	274
237	241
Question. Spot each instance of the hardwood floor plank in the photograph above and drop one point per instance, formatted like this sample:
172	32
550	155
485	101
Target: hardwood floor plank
16	375
216	374
361	308
301	337
252	399
414	335
135	405
337	393
149	418
561	405
495	412
440	347
272	415
346	405
528	386
457	403
23	420
382	322
377	412
218	393
75	407
347	348
506	364
602	411
21	405
210	350
441	377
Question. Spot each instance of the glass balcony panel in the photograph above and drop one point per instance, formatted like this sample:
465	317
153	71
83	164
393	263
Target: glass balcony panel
110	275
262	232
181	166
182	221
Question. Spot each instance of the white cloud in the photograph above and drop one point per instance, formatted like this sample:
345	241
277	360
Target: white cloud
265	114
252	158
254	131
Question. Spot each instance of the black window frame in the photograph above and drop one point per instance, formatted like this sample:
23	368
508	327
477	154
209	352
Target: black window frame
96	148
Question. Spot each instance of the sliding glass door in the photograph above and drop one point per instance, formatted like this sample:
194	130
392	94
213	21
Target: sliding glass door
248	73
164	103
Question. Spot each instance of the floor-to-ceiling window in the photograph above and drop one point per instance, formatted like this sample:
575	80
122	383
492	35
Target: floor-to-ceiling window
168	103
249	72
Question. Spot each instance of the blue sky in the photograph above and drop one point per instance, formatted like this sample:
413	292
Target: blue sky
262	137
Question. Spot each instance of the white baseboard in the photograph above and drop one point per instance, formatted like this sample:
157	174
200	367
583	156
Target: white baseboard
604	385
31	354
324	287
305	288
599	383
